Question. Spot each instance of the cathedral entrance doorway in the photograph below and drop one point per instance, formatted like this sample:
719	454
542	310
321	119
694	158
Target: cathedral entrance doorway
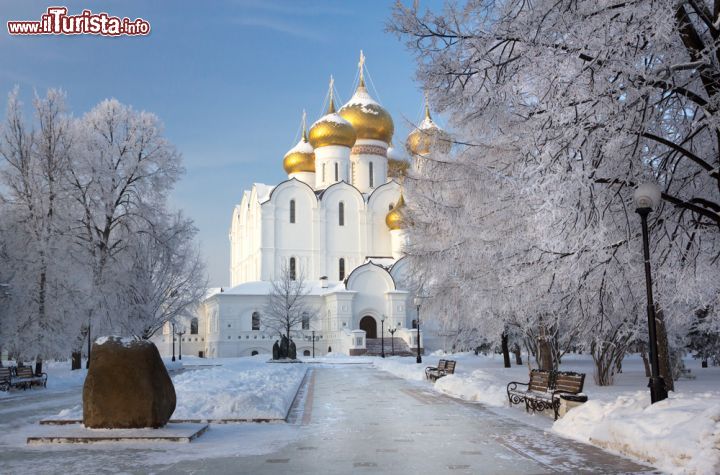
369	324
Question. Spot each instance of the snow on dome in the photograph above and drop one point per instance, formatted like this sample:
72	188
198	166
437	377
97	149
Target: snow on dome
332	129
368	117
300	158
301	147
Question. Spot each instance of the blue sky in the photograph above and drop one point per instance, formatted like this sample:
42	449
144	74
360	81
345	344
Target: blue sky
228	78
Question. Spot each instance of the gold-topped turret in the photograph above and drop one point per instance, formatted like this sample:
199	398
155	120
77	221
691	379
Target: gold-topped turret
332	129
300	158
428	136
394	218
366	115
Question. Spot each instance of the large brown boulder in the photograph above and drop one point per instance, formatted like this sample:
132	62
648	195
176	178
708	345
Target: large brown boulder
127	386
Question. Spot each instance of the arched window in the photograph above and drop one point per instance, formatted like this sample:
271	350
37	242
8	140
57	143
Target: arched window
194	326
341	268
293	269
372	181
337	171
306	353
323	172
256	321
292	211
305	321
341	214
254	353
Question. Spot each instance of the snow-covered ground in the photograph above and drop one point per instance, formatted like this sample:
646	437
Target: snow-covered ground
679	435
224	388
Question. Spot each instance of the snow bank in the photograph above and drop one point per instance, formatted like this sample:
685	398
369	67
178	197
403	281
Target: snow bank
405	368
241	388
678	435
479	386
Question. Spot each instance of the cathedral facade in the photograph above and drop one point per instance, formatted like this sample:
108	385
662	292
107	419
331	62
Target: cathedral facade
336	224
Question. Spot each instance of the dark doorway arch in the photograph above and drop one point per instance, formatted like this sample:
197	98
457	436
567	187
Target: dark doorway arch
368	324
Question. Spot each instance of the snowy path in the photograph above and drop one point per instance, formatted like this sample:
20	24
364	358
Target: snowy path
367	421
358	420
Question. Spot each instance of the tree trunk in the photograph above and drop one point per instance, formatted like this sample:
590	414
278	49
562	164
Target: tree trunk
646	361
38	365
505	350
545	359
664	352
518	355
76	360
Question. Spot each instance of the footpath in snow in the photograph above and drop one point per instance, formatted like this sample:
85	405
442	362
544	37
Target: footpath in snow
678	435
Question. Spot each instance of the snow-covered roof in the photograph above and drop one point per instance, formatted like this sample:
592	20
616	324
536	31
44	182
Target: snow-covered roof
263	191
261	287
386	262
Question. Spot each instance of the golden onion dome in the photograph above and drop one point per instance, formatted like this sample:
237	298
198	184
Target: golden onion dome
300	158
367	116
331	129
394	218
428	137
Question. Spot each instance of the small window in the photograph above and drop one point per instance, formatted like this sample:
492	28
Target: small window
323	172
194	326
341	269
341	214
254	353
337	171
372	182
293	269
256	321
390	207
292	211
305	321
414	323
306	353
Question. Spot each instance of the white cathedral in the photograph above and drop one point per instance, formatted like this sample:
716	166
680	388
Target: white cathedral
337	221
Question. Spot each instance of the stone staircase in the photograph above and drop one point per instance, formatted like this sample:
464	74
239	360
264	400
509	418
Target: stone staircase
374	347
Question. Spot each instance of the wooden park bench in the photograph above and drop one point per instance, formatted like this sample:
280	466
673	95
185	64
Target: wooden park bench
25	378
440	366
546	390
5	374
444	367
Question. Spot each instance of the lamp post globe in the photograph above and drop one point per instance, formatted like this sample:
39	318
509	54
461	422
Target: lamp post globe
647	197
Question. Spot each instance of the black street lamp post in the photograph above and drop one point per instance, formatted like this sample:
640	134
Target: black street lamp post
313	337
180	334
382	336
647	196
173	341
418	302
392	331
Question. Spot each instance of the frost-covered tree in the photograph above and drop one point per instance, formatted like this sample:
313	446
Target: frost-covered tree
86	236
288	305
36	227
559	110
120	177
166	278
